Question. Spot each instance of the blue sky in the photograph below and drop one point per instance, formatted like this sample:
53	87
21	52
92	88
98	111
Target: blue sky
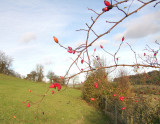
27	28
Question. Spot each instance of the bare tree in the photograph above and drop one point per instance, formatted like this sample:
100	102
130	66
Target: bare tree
39	71
5	63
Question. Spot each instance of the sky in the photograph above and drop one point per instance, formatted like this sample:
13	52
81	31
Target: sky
27	28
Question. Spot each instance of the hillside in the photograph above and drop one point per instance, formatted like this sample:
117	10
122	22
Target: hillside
63	107
152	77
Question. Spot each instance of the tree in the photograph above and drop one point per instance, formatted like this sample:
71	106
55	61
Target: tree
39	72
51	75
33	75
5	63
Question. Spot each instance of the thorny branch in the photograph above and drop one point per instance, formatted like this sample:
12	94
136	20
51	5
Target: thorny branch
87	44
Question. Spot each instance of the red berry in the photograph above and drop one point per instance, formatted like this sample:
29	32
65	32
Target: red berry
122	98
58	86
105	9
101	46
92	99
55	39
74	51
123	108
114	95
28	105
52	86
107	3
70	49
95	85
52	92
82	61
122	39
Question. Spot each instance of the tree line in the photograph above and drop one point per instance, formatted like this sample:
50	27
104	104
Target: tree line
37	75
6	65
152	77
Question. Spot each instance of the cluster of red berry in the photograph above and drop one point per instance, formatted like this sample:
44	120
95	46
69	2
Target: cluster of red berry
109	6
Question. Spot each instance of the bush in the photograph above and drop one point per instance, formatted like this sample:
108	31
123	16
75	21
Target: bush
90	91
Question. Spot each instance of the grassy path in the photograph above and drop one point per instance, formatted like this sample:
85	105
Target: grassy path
63	107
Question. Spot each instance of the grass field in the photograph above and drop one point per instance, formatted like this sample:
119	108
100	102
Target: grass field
63	107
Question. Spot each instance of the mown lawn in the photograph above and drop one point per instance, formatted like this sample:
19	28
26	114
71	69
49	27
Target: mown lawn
63	107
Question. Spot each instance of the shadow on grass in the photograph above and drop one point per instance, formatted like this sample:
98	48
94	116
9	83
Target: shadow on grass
97	118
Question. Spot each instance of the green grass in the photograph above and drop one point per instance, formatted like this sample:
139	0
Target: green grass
63	107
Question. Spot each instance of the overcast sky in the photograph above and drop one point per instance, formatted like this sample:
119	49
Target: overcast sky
27	28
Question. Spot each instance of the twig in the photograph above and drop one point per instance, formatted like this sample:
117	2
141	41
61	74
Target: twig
121	10
156	4
93	11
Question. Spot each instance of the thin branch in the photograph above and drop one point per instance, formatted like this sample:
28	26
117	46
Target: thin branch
156	4
141	1
110	22
108	52
92	30
130	6
82	30
93	11
92	19
133	52
121	10
119	65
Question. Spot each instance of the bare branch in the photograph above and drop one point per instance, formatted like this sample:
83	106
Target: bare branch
141	1
121	10
93	11
133	52
156	4
82	30
92	29
110	22
130	6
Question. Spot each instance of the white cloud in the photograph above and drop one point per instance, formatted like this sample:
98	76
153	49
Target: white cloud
118	37
143	26
100	42
28	36
140	27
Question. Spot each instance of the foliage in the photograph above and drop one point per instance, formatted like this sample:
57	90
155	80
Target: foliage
89	91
